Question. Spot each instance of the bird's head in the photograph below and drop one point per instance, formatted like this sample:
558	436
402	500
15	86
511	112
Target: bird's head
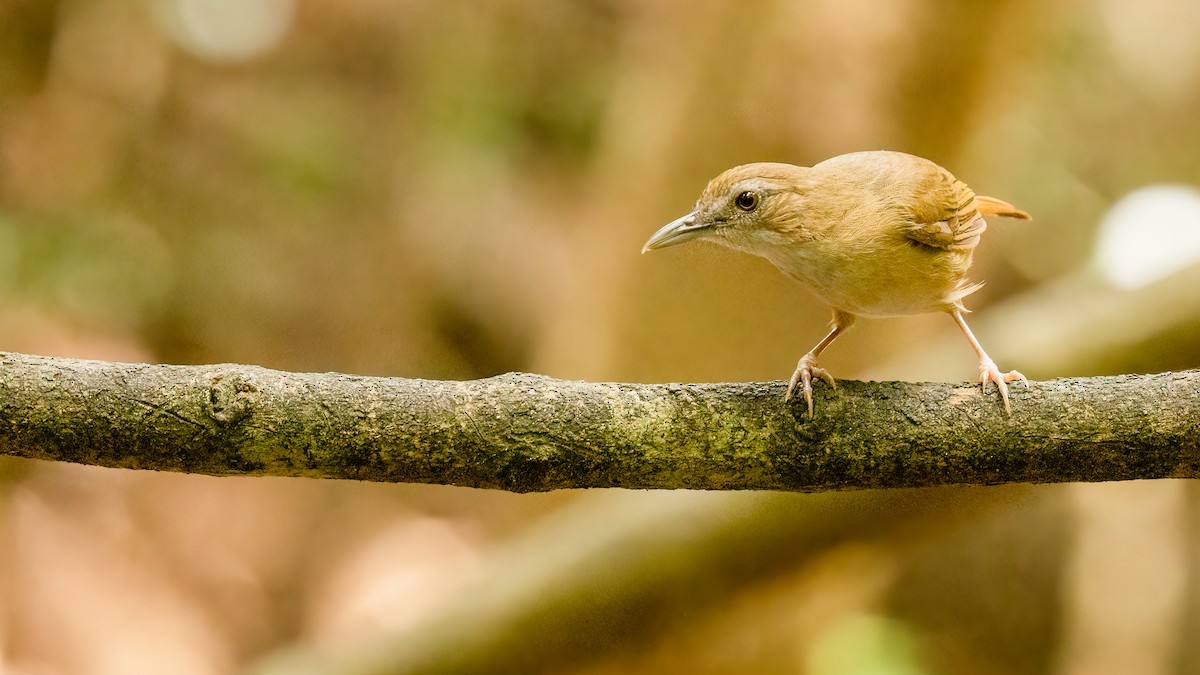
748	207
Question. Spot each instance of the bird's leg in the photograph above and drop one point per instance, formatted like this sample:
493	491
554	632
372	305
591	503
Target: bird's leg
807	368
988	372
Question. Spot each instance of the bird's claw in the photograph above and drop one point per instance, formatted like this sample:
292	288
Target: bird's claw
988	372
806	370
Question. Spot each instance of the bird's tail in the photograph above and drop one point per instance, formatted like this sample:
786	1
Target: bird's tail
990	206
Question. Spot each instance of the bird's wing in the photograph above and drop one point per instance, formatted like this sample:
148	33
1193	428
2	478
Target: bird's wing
943	212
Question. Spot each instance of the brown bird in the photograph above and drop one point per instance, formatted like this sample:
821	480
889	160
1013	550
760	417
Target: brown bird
871	234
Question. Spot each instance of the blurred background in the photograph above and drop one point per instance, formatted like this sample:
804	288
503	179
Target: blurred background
456	190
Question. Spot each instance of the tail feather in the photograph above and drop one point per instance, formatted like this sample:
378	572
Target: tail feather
990	206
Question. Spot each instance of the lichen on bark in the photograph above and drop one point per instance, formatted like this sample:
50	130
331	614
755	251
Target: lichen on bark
524	432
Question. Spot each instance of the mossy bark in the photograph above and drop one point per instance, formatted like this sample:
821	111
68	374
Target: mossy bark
526	433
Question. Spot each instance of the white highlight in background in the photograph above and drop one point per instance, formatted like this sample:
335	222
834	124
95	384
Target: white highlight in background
227	30
1149	234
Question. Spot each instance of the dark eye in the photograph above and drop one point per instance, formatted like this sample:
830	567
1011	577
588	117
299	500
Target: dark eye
747	201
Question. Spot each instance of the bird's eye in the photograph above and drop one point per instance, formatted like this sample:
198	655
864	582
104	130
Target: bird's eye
747	201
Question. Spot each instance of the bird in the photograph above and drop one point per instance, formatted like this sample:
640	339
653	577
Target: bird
871	234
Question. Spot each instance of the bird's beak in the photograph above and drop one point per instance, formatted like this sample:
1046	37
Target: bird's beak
677	232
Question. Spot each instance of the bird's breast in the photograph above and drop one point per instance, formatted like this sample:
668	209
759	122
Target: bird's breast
877	279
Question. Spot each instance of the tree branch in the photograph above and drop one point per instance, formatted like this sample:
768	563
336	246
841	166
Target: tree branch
529	433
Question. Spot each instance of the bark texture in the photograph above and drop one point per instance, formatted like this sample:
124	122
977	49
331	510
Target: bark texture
524	432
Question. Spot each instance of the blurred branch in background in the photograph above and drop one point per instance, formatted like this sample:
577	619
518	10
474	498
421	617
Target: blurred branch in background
528	433
590	582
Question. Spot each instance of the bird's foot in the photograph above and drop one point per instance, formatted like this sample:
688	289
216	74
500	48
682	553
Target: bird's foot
988	372
806	370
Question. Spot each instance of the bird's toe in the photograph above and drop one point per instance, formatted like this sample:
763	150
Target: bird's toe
806	370
988	372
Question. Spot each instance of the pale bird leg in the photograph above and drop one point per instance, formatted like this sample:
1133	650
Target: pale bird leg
988	372
807	368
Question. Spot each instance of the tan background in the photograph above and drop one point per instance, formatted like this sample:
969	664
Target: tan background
454	190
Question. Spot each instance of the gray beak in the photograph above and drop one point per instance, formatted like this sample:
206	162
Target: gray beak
677	232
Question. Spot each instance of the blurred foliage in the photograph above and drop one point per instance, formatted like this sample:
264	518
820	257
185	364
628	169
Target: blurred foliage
451	190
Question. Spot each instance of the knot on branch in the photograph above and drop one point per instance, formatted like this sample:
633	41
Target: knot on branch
231	398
